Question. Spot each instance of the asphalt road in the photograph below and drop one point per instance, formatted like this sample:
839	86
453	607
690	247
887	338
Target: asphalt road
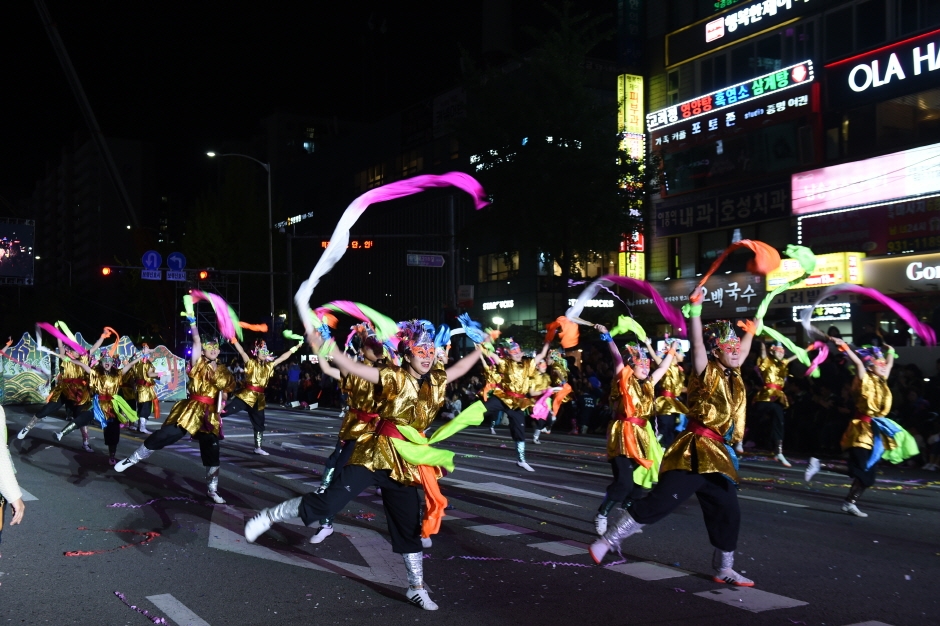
511	551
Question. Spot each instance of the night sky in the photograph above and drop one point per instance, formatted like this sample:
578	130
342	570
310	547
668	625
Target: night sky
199	72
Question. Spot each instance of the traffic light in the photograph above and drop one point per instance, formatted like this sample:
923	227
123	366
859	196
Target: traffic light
105	271
203	274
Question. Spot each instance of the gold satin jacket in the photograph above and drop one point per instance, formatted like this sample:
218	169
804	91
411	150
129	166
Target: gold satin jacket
403	399
104	383
361	395
641	392
872	399
717	402
672	382
76	392
773	372
515	380
146	391
257	374
194	416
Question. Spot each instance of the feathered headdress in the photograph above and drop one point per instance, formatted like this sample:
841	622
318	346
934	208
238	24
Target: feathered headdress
870	355
414	333
717	333
634	354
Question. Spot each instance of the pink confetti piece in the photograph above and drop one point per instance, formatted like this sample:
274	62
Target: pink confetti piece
153	618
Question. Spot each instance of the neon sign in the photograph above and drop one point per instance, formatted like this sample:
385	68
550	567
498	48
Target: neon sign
772	83
355	244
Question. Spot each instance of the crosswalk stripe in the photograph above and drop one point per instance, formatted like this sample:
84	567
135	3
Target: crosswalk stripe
647	570
176	610
27	496
561	548
750	599
500	530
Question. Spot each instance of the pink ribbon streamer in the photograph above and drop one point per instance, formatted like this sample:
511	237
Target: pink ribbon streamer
669	312
227	327
923	331
55	332
340	239
821	356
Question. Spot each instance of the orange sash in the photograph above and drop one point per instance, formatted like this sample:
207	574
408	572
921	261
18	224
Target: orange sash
560	397
629	439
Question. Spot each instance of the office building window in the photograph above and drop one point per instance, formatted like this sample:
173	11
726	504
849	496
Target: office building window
369	178
672	87
595	264
500	266
870	24
410	163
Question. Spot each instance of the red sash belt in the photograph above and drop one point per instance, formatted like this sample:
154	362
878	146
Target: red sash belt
363	416
389	429
105	397
74	381
699	429
511	394
864	418
255	389
634	420
773	386
203	399
668	394
144	383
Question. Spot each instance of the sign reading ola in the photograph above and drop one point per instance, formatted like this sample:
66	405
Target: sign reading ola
894	70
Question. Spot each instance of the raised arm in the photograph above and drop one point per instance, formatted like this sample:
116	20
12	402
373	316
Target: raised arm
699	355
131	364
329	370
889	358
860	372
197	342
100	341
464	365
343	362
750	329
660	371
652	353
84	366
241	351
541	355
614	352
287	354
763	350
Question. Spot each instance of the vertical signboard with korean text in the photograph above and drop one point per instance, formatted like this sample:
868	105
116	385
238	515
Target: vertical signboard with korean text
630	114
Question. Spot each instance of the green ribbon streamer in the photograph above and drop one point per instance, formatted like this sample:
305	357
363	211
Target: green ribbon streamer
123	410
626	324
691	310
417	450
385	327
65	329
289	335
807	261
190	312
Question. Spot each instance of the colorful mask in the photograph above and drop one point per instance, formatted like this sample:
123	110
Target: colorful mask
422	352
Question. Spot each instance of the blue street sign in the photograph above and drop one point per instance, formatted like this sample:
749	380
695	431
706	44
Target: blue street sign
152	260
151	274
176	261
425	260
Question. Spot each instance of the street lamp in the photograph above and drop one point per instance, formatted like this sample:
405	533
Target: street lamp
498	321
267	168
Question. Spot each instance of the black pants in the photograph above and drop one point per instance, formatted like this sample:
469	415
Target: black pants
622	485
402	504
144	409
171	433
717	496
236	405
666	424
112	430
775	410
71	409
516	418
340	456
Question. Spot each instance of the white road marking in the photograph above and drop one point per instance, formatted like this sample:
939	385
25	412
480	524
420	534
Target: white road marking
599	494
560	548
798	506
872	623
554	467
750	599
176	610
267	435
647	570
27	496
497	488
500	530
293	476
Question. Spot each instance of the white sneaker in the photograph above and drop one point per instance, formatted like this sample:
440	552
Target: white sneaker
420	598
256	526
731	577
525	466
783	460
600	524
426	542
87	447
59	435
739	448
598	549
214	495
492	431
851	509
261	452
378	491
123	465
22	434
536	441
322	533
811	469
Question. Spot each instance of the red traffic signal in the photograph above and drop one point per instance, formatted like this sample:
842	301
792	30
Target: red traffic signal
203	274
105	271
